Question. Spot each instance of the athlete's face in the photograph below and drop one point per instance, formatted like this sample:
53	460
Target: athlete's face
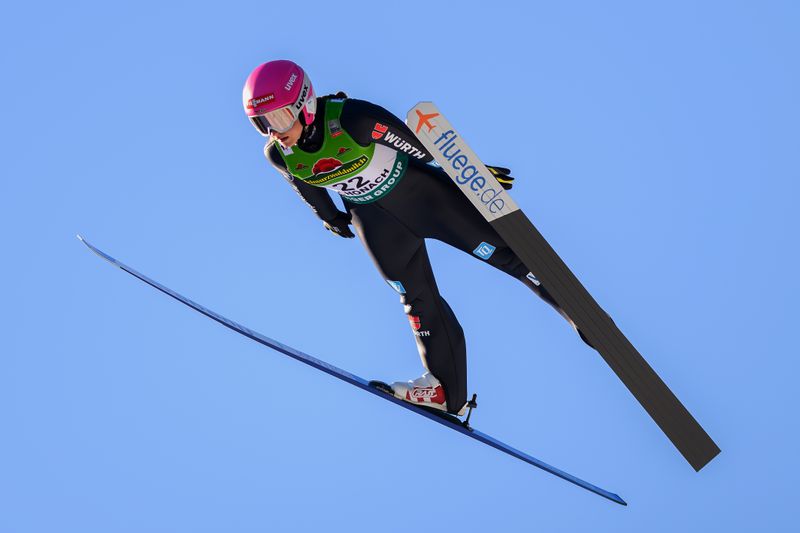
290	137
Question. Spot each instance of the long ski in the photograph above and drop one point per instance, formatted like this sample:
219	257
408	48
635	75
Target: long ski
495	204
449	421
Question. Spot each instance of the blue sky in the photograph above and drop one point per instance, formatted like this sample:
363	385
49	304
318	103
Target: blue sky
655	146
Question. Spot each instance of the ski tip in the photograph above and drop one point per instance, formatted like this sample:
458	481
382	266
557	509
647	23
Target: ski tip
89	245
417	107
84	241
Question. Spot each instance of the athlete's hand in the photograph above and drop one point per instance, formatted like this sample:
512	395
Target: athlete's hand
503	175
340	225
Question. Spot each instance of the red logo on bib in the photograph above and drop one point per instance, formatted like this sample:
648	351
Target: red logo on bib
379	130
326	165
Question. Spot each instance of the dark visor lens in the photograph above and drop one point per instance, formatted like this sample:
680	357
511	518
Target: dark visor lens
261	124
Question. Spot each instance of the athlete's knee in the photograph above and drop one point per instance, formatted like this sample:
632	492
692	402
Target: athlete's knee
547	297
503	258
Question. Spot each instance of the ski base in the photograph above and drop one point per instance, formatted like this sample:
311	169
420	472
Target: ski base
442	418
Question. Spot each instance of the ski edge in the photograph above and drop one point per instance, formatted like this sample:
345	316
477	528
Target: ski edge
357	381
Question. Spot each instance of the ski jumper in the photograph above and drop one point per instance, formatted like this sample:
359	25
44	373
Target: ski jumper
397	200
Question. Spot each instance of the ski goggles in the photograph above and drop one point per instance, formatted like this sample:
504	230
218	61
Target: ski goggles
278	120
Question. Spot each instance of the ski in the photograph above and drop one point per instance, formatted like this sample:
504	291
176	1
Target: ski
473	178
376	388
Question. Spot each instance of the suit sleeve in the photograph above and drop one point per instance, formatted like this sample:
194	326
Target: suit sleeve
369	123
317	198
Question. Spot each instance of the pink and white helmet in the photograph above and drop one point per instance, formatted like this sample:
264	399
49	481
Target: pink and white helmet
274	95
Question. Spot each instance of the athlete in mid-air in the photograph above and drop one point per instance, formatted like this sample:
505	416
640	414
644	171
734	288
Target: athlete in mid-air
393	198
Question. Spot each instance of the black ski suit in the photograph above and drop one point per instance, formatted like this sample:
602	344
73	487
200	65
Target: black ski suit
426	204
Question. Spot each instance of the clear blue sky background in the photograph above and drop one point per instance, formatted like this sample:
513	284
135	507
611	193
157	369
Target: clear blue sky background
655	146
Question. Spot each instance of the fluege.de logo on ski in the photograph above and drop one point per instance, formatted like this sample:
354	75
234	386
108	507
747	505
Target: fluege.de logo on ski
459	161
469	176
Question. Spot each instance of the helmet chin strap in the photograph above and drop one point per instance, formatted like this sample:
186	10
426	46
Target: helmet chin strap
309	139
302	114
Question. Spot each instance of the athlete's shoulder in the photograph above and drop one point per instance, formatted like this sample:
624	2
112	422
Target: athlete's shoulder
366	122
362	109
336	98
370	123
271	152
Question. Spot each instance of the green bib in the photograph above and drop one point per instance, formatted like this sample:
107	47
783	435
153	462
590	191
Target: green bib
359	174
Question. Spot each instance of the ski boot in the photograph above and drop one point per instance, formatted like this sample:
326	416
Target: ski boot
425	391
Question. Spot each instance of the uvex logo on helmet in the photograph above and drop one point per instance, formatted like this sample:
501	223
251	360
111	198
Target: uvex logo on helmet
290	83
257	101
302	100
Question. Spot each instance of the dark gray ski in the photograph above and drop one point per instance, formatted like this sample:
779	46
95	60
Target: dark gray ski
496	205
633	370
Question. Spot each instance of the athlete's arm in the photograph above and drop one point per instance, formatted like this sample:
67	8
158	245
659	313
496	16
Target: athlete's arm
316	198
369	123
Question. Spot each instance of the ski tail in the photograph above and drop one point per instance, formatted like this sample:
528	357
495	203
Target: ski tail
666	410
498	208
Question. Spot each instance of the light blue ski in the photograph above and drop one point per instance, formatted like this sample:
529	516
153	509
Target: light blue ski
446	420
